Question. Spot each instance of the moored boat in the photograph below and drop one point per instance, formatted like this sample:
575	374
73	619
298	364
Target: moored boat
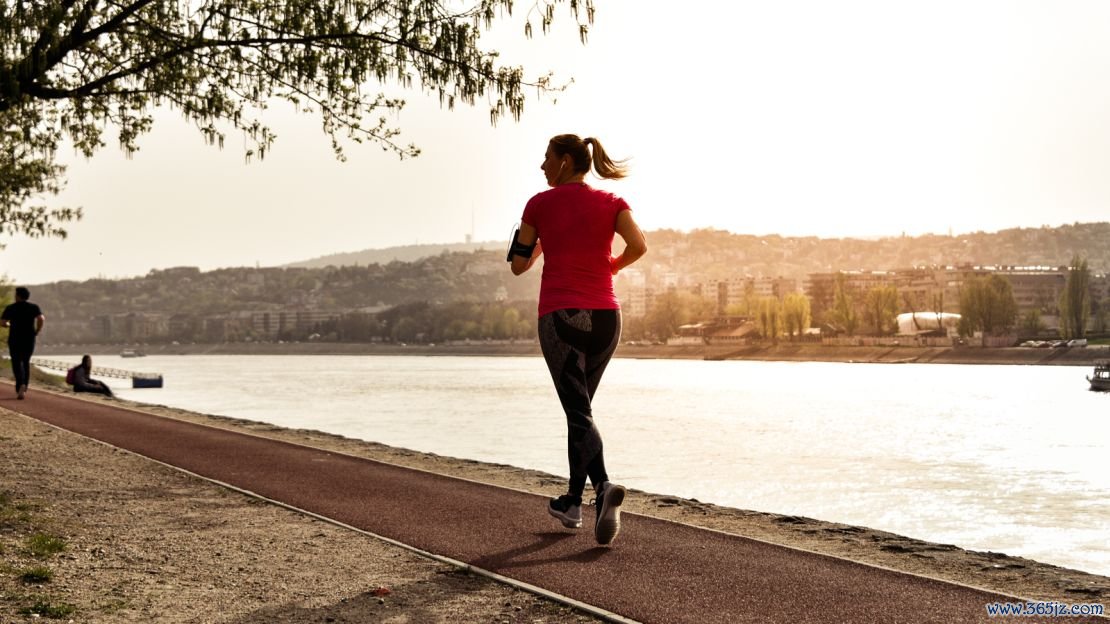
1101	378
146	381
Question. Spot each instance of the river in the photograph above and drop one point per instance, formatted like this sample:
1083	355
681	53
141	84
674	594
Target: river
1012	459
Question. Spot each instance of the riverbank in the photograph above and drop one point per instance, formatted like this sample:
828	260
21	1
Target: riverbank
782	352
147	543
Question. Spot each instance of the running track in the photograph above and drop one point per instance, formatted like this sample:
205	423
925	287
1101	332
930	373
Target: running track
656	571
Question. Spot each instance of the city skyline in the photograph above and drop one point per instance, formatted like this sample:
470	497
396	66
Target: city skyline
861	120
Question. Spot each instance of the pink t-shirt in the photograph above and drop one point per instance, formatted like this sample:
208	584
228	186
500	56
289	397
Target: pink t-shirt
575	224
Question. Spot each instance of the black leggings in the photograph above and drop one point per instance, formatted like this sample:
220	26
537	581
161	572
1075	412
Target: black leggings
577	346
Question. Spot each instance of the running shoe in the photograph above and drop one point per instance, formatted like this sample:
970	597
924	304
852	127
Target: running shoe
567	509
608	508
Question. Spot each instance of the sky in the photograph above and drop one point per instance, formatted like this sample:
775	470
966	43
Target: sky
798	117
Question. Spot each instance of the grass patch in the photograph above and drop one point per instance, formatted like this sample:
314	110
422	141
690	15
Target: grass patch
39	377
50	380
37	575
8	504
42	545
45	608
13	516
11	513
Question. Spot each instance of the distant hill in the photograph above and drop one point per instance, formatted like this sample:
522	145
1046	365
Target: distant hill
464	272
405	253
708	255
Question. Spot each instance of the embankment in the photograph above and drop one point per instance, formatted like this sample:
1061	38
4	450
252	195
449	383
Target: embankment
783	352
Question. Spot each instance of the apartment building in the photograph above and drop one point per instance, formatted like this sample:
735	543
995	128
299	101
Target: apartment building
735	292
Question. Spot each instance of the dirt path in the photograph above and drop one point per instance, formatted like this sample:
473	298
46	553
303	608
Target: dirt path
147	544
668	572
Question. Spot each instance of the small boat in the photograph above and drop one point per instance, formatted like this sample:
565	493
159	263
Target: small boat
1101	379
130	353
146	381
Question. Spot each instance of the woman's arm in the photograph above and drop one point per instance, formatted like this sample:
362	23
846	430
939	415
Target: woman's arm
527	236
635	245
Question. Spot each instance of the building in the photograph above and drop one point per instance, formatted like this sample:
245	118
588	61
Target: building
130	327
272	323
739	292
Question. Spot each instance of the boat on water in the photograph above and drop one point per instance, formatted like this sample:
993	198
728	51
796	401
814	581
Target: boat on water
131	353
1101	378
141	380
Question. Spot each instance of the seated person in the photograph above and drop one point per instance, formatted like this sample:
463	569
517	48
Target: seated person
82	382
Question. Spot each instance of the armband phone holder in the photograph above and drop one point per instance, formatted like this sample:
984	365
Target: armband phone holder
517	248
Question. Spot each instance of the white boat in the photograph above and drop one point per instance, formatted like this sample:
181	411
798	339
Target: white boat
131	353
1101	378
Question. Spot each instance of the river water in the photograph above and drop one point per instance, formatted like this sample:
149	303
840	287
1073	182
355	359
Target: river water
1012	459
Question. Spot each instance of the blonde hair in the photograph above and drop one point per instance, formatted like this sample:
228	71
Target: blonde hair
579	151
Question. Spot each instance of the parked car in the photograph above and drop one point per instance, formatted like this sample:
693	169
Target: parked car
1059	344
1077	342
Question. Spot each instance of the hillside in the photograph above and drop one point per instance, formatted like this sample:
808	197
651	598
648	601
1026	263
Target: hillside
717	254
701	256
405	253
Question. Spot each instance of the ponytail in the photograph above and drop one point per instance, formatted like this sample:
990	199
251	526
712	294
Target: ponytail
579	151
604	166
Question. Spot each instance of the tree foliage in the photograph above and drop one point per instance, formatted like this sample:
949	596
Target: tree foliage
70	69
987	304
1100	311
769	318
7	295
880	310
843	314
1075	300
1031	323
796	315
674	309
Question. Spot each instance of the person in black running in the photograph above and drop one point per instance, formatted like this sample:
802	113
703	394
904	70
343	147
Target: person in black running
24	321
579	315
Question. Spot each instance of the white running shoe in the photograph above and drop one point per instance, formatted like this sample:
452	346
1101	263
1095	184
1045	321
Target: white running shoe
567	509
608	508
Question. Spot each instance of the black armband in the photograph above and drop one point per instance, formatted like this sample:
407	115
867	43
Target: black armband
517	248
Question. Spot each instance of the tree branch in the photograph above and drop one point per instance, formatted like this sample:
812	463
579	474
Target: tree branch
92	87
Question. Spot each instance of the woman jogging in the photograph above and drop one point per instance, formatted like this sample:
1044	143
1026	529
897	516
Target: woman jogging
579	316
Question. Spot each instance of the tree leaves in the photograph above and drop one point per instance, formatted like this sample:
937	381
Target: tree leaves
70	69
987	304
1075	300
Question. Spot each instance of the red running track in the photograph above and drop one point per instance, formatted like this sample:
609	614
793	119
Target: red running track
656	571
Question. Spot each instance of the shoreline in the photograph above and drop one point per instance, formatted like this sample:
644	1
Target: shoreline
1011	575
782	352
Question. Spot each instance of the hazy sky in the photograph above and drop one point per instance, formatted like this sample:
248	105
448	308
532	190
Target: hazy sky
805	117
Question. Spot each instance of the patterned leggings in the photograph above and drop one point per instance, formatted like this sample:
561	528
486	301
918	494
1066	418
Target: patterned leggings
577	346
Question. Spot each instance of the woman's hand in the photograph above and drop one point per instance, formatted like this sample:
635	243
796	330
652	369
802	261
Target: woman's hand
635	246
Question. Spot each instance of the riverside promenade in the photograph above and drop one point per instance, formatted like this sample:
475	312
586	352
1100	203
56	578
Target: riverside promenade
656	571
